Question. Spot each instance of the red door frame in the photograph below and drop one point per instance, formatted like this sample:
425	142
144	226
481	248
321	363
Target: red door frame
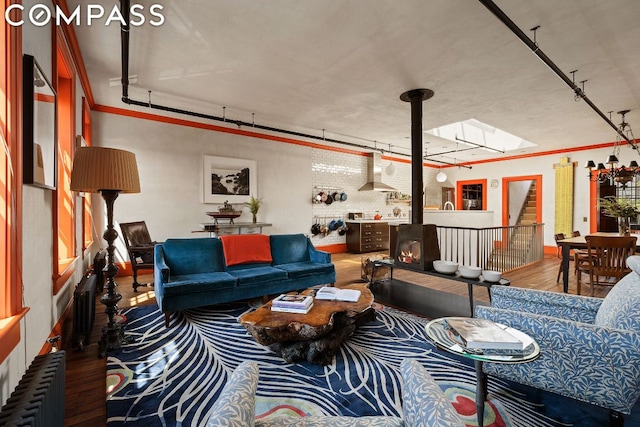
505	196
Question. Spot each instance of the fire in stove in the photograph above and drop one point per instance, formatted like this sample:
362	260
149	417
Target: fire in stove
409	251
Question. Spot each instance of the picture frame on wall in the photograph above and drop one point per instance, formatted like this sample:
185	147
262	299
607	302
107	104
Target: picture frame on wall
229	179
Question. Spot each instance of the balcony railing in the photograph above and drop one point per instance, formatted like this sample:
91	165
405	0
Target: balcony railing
494	248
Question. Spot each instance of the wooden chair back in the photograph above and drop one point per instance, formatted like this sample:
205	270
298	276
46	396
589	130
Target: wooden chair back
608	256
139	246
559	236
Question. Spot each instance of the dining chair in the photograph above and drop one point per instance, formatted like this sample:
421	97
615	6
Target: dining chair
580	256
607	260
557	237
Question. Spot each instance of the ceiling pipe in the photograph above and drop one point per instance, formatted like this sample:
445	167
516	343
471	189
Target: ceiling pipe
493	8
416	97
124	41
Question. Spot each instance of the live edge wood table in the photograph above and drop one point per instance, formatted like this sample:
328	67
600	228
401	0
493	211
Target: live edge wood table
315	336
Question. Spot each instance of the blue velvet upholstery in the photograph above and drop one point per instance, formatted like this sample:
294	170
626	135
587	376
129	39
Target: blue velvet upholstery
590	347
424	404
192	273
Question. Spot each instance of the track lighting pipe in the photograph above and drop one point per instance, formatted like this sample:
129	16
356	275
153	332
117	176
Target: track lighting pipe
493	8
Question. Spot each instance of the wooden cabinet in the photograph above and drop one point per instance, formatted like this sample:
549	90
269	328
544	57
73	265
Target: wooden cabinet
367	236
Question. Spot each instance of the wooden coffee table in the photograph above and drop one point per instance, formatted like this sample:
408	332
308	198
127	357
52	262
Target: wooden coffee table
315	336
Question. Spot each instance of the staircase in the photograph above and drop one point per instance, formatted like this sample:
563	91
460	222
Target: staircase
517	250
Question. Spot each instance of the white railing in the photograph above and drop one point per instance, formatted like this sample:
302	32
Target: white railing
494	248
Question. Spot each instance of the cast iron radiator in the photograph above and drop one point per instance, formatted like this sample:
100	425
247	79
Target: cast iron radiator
84	310
99	263
38	399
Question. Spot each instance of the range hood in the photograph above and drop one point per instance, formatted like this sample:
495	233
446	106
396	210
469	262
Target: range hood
374	175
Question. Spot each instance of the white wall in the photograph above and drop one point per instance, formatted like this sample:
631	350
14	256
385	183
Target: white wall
45	309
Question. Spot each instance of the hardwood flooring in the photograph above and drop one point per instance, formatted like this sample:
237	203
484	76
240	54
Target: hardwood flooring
85	379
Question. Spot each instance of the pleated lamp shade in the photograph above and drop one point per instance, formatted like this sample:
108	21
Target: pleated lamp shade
98	168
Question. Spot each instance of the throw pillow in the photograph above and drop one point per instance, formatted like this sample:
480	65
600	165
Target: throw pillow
236	405
619	309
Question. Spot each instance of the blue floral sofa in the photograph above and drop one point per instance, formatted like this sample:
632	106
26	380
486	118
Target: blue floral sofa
197	272
590	347
424	404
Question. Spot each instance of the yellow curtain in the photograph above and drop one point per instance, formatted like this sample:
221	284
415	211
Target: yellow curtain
564	196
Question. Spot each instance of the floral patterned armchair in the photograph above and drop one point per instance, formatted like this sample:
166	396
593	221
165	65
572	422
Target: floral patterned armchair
590	347
424	404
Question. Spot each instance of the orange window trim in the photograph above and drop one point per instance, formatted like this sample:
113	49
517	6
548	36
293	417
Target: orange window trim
459	185
11	310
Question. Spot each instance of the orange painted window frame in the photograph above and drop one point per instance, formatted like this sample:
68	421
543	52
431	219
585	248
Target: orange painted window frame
459	185
64	214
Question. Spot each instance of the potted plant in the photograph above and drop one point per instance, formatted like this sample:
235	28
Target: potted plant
254	206
622	209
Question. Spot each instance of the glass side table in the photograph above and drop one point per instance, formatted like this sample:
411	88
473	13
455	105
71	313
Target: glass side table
438	333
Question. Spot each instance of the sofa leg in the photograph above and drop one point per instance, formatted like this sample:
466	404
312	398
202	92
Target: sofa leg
167	317
616	419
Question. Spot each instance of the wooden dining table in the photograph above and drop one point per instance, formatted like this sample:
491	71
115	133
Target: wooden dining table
578	242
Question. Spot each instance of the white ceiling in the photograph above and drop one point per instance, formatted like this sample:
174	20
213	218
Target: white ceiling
342	65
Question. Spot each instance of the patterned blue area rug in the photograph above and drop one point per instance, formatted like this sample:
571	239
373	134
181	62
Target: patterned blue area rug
172	376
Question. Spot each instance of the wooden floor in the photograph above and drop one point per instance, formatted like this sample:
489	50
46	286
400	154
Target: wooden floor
85	379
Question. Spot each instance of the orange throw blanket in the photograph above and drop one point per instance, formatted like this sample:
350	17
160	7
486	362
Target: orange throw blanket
246	248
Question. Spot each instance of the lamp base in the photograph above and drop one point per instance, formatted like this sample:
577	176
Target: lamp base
112	339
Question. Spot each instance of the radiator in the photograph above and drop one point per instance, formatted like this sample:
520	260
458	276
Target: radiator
99	263
38	400
84	310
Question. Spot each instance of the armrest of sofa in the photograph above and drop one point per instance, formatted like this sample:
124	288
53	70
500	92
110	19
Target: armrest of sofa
318	256
235	407
161	270
423	402
554	304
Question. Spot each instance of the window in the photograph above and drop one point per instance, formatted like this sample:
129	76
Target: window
11	308
64	201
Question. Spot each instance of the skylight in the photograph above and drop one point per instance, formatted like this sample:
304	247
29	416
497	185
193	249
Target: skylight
475	131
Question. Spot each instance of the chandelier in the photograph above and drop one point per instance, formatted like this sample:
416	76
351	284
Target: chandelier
623	174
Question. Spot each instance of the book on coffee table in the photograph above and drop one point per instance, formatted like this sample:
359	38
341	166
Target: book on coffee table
292	310
336	294
481	333
299	302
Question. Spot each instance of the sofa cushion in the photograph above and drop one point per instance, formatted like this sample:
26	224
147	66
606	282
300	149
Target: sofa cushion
306	268
254	275
192	256
619	309
319	421
203	282
246	248
236	407
286	248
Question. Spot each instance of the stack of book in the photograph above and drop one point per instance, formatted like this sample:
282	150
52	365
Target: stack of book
476	333
292	304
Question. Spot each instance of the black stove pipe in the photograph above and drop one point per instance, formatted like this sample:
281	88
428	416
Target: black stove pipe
493	8
416	97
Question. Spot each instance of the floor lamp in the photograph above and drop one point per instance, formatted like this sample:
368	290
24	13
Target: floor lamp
109	172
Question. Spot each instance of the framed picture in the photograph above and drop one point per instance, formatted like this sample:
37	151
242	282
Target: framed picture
229	179
39	126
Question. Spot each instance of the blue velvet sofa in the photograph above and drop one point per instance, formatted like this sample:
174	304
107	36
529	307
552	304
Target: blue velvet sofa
197	272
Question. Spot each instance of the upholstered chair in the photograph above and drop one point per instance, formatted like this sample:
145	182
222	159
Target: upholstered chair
424	404
590	347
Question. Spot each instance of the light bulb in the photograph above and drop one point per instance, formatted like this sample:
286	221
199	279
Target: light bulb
441	177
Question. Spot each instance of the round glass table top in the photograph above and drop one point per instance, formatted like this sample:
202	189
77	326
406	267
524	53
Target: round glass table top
443	338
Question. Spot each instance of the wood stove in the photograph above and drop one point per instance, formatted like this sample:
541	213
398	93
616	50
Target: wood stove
417	247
